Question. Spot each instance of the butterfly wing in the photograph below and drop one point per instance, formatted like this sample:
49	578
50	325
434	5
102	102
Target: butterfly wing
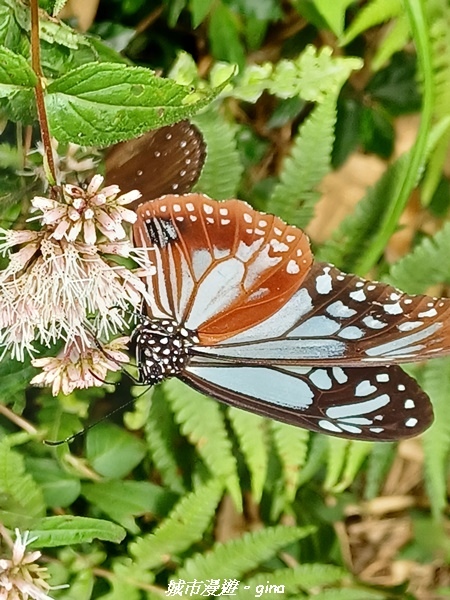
376	404
162	161
335	318
221	267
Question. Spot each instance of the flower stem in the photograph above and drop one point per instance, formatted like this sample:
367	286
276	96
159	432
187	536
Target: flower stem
39	93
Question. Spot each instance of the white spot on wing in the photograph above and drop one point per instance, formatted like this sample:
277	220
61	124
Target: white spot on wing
358	296
364	388
324	282
339	309
321	379
292	268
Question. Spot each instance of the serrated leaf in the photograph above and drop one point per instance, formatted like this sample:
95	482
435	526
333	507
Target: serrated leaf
221	175
202	422
102	104
64	530
124	500
235	558
250	430
112	451
21	499
15	73
185	525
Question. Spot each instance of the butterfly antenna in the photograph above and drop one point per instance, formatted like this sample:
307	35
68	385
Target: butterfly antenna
71	438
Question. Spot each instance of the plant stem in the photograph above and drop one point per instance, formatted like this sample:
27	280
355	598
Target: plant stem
415	10
39	93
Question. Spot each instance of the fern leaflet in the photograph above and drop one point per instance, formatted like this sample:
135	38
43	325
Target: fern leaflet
235	558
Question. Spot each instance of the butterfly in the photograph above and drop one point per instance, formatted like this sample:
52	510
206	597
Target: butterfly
241	312
162	161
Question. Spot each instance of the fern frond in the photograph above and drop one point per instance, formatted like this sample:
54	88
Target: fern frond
251	432
22	499
379	463
295	196
356	455
337	455
185	525
161	432
223	168
291	444
202	422
424	266
435	379
235	558
357	231
303	577
373	13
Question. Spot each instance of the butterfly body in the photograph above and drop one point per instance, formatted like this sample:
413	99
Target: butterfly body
267	329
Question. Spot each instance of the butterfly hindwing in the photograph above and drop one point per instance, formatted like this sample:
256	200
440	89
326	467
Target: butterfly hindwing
377	403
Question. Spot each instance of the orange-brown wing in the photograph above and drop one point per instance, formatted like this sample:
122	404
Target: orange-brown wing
221	267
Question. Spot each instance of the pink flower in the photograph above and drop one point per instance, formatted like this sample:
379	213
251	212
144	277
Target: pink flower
20	577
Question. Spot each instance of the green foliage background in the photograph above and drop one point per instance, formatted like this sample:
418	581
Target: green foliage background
135	507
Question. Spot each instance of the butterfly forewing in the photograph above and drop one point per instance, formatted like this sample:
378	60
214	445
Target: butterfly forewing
338	318
221	267
162	161
240	312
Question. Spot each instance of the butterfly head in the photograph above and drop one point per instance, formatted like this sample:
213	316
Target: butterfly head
162	349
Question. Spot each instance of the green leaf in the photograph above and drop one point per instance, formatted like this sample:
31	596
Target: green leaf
373	13
337	455
251	432
235	558
435	379
221	175
201	421
199	10
161	434
223	35
424	266
59	488
309	577
101	104
314	75
291	444
295	196
184	526
356	454
112	451
333	13
66	529
17	81
395	40
124	500
21	499
379	463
